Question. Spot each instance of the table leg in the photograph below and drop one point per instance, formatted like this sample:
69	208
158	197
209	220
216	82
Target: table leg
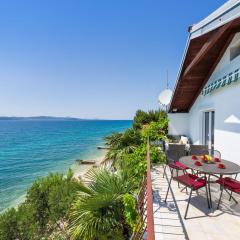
209	190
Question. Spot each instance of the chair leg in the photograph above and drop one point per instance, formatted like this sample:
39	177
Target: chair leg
231	191
231	196
178	182
183	189
189	199
164	170
220	198
185	172
168	188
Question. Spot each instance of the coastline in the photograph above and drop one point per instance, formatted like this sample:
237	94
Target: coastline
56	147
81	173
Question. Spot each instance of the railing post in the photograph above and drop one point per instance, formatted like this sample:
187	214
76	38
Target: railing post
150	221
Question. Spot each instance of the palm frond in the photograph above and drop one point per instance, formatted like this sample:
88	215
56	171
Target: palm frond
101	211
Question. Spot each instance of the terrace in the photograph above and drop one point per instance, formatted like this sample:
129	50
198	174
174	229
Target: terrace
202	223
165	220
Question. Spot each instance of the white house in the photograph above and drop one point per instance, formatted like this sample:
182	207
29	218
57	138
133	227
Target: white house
206	101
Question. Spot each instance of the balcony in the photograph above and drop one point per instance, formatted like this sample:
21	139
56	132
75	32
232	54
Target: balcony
165	220
202	223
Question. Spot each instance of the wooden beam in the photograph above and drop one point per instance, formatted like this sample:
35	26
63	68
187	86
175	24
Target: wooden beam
206	47
212	68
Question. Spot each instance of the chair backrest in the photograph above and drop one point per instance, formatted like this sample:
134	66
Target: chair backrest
202	150
214	153
177	147
175	152
198	150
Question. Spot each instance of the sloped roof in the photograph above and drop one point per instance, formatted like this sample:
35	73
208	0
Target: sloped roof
224	14
207	43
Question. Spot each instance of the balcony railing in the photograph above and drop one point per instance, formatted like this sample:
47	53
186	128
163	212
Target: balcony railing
145	227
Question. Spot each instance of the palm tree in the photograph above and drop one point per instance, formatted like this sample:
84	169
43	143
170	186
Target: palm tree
122	143
97	212
142	118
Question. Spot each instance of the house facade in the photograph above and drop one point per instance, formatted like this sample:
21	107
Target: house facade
206	101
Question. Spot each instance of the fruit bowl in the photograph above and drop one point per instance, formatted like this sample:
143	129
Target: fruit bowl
207	159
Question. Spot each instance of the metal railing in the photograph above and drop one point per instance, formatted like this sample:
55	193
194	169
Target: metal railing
145	227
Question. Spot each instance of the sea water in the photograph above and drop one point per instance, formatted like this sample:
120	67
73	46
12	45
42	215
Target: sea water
32	148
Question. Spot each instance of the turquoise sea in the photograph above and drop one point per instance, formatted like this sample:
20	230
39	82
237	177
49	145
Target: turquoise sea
32	148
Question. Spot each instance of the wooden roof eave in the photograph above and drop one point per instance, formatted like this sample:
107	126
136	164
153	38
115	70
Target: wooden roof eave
210	46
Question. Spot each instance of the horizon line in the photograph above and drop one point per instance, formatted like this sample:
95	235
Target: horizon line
63	117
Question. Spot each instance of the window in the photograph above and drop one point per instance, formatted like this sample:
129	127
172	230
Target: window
235	51
208	129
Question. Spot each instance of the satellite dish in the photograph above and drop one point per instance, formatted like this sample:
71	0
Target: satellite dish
165	97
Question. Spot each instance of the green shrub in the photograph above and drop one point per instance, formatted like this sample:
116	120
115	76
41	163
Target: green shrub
130	210
26	224
155	131
135	164
157	155
8	225
47	202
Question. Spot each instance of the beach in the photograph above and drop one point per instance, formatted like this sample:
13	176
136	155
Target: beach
80	174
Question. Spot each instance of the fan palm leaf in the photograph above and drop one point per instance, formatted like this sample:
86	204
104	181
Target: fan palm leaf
98	211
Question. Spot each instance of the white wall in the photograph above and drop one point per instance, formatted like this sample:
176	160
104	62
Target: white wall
178	124
226	104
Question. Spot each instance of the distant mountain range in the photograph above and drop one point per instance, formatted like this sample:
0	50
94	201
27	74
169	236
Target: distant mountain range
44	118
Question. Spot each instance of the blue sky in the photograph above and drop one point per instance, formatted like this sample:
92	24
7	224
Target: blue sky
92	58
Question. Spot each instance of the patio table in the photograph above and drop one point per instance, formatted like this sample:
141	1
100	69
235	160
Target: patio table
209	169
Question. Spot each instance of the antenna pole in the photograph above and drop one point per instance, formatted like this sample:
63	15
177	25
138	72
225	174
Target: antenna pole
167	79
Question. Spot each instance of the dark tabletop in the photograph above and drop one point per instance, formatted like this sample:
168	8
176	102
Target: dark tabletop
211	168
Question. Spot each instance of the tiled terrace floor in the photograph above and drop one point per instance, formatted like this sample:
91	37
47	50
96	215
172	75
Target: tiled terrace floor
202	223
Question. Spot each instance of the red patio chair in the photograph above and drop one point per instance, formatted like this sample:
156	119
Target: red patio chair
189	181
172	158
228	184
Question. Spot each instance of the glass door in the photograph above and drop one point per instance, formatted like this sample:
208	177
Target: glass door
208	131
